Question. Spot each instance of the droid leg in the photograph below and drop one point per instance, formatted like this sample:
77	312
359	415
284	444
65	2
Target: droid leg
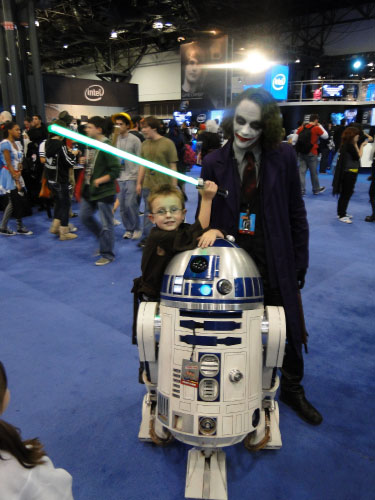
267	435
206	475
148	327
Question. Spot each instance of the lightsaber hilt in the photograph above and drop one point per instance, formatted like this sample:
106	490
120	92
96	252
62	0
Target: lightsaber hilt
220	191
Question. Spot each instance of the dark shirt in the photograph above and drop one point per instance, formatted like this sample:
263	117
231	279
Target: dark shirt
337	133
210	142
140	136
58	161
38	135
168	243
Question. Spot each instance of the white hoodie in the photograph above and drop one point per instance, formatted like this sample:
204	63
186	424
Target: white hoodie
43	482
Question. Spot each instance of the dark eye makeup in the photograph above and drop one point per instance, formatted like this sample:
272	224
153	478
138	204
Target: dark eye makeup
254	125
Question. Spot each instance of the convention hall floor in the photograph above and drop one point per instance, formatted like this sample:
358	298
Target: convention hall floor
66	343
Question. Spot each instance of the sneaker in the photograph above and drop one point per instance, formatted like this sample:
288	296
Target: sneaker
72	228
142	243
7	232
128	235
23	230
136	235
370	218
346	215
102	261
346	219
321	190
116	222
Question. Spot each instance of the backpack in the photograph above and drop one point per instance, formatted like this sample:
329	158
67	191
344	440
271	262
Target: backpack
303	144
190	158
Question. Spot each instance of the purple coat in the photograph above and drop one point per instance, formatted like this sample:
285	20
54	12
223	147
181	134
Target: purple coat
284	217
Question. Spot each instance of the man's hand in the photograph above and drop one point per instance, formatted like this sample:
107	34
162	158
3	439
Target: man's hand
209	237
301	273
209	190
96	183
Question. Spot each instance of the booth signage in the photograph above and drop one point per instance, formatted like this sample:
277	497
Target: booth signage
276	81
76	91
94	93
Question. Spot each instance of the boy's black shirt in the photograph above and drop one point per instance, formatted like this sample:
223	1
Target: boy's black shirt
170	242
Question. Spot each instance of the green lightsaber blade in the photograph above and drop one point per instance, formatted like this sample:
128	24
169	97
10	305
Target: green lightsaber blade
107	148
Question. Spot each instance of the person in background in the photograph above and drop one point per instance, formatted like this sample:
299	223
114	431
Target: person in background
347	171
337	133
5	117
98	191
127	197
371	218
325	149
26	473
59	161
177	137
309	160
210	138
136	129
11	181
162	151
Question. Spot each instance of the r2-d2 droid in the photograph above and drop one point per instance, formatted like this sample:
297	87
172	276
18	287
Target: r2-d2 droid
211	352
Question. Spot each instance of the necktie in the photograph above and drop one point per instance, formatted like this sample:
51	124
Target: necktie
249	179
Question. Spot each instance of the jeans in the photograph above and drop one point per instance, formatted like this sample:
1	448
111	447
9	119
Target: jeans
347	189
309	162
61	201
324	161
103	230
147	224
129	205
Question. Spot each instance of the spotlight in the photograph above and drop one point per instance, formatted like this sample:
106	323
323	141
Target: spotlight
168	25
36	23
157	25
65	46
114	34
297	61
370	64
257	62
317	66
242	48
181	39
357	64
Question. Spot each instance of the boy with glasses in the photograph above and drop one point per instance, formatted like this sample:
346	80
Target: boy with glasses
172	235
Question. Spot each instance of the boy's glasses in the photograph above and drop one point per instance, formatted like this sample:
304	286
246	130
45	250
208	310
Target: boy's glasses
163	211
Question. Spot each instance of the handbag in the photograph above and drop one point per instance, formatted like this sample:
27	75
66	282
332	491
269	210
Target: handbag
45	192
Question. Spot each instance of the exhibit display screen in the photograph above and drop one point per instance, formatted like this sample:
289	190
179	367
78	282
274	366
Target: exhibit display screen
332	90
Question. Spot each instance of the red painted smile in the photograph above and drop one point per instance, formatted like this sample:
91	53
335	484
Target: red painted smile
243	139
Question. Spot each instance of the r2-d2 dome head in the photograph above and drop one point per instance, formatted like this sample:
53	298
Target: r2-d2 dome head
221	277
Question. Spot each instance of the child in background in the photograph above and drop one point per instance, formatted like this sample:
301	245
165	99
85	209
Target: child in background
25	470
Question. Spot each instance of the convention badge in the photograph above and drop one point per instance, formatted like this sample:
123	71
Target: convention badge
190	373
246	223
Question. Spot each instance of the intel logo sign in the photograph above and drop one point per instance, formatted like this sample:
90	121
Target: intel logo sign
279	82
94	93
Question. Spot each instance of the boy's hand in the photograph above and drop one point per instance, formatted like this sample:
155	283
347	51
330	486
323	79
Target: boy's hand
209	190
209	237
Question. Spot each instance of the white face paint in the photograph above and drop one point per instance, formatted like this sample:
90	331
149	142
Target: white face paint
247	124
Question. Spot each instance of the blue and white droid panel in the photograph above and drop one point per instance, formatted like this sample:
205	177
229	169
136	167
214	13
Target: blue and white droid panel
222	277
210	368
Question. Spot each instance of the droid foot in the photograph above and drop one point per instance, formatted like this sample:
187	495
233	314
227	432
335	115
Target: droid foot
298	403
206	475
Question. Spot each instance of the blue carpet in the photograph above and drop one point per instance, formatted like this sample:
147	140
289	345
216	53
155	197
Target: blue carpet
66	343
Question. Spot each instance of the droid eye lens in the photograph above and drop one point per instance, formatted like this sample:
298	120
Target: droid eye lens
199	265
224	287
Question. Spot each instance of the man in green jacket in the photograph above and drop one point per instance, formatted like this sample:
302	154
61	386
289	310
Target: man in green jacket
99	191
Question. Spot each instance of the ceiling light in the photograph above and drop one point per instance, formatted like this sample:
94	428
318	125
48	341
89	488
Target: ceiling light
357	64
36	23
213	32
317	66
256	62
370	64
297	61
65	46
242	48
114	34
168	25
181	39
158	25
